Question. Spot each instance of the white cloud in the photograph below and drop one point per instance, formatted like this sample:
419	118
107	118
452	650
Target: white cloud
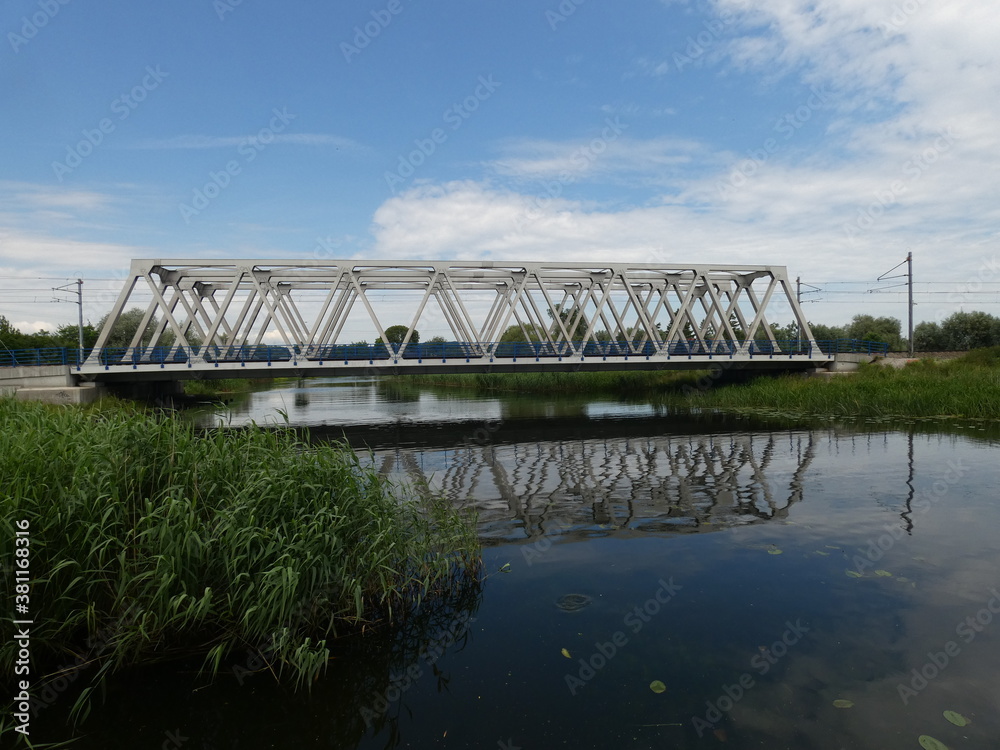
606	156
910	162
44	243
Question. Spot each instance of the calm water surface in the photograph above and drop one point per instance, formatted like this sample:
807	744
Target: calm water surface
759	573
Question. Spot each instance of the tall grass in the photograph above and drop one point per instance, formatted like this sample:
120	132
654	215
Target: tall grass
150	540
219	386
553	382
967	387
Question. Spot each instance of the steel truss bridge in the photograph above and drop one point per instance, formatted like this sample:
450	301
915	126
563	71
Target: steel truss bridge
259	318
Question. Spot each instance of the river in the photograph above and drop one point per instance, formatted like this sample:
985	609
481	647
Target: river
655	580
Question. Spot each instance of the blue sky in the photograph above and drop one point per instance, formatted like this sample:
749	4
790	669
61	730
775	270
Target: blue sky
830	136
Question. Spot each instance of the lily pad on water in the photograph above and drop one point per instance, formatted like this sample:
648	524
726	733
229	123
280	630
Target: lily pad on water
929	743
956	718
883	573
853	573
821	552
843	703
565	653
573	602
772	550
657	687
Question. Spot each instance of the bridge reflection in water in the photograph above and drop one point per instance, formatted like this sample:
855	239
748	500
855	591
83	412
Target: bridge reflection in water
621	486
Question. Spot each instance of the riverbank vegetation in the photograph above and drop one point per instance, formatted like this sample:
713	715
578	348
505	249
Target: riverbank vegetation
623	382
966	387
210	387
151	540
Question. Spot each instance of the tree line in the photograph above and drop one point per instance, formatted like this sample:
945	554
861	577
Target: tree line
961	331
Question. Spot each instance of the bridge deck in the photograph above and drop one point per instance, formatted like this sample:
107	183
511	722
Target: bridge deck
269	361
180	363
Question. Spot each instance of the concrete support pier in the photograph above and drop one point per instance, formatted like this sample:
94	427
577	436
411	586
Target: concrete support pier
52	384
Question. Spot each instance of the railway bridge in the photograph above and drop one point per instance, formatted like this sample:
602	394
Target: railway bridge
279	317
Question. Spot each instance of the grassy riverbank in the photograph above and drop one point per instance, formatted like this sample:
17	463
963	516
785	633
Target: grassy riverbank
226	386
554	382
967	387
880	392
150	540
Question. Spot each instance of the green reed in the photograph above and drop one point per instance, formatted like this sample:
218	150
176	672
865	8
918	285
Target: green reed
152	540
967	387
552	382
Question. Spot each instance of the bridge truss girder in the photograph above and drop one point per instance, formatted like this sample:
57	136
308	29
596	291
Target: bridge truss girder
305	304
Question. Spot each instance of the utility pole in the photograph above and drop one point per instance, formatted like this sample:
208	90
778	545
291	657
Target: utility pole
908	284
79	321
909	271
79	302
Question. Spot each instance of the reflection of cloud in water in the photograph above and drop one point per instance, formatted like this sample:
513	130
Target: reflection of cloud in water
621	486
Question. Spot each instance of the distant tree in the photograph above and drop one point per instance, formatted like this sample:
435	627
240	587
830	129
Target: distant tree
567	315
396	334
928	337
128	322
970	330
868	328
514	334
69	336
438	340
12	338
780	332
125	328
822	332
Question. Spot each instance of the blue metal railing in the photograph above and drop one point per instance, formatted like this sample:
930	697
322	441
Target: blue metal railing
37	357
444	351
